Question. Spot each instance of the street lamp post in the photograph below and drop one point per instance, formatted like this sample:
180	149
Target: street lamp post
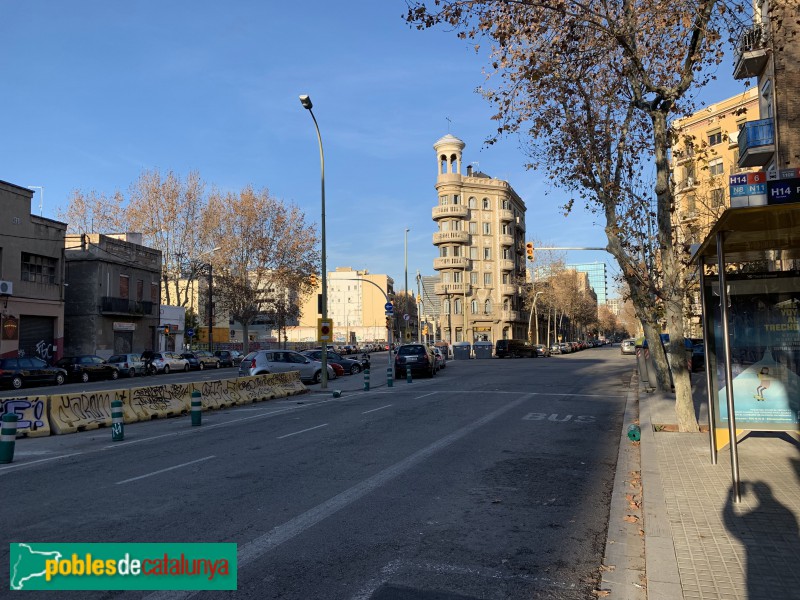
210	309
405	262
306	102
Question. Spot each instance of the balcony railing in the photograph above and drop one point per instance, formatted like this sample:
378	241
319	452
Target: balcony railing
507	289
441	289
756	143
450	237
509	315
505	215
506	239
451	210
505	264
124	306
450	262
751	52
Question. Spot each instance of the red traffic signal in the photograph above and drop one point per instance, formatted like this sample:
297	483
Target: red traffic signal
529	251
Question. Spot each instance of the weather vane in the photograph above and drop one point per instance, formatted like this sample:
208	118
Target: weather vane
449	122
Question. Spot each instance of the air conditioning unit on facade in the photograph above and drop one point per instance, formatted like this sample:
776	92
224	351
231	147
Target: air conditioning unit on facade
6	288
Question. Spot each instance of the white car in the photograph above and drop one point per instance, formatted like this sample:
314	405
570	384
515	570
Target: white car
441	361
263	362
628	346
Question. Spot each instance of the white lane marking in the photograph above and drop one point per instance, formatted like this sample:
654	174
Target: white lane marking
192	462
301	431
374	409
33	462
425	395
259	546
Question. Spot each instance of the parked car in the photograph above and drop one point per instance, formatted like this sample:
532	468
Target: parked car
129	365
555	349
201	359
417	357
542	350
628	346
350	366
441	361
263	362
514	349
229	358
24	371
164	362
87	366
338	371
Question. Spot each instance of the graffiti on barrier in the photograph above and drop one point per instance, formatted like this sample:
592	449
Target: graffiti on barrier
219	393
158	398
82	409
29	410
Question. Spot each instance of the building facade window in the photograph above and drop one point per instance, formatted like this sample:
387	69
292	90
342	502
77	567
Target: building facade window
457	306
691	204
444	201
473	306
472	202
473	278
717	197
715	167
486	204
487	254
487	279
456	199
473	227
473	252
487	229
487	307
124	286
715	137
506	205
38	269
457	277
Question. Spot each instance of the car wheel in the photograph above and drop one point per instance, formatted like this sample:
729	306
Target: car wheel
60	379
317	377
132	372
16	382
115	374
166	369
201	366
84	377
355	370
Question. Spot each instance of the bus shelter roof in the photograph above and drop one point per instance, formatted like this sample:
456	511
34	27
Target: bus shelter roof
754	233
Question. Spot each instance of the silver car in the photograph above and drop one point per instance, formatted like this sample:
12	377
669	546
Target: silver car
263	362
165	362
129	365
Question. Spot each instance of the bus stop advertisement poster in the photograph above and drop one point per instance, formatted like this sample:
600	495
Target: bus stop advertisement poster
764	327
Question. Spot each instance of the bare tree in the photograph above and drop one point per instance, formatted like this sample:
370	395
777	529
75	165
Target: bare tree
91	212
591	87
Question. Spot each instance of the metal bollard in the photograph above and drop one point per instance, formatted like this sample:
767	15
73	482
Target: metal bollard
389	377
366	380
8	437
197	408
117	421
408	374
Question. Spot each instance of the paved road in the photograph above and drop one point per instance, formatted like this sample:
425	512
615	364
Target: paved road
491	481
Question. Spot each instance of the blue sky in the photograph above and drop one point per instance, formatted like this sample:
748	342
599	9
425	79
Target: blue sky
95	92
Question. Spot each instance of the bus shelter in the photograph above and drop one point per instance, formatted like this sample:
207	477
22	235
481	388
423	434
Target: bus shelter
750	281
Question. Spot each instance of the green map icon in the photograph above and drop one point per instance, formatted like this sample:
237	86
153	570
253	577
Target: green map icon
28	564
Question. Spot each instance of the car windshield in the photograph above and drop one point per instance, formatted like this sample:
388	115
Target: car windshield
409	350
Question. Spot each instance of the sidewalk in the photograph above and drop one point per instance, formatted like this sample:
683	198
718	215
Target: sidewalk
698	544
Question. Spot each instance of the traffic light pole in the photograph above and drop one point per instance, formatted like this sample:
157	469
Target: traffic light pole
389	328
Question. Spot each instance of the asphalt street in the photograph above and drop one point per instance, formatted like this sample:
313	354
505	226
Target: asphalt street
491	480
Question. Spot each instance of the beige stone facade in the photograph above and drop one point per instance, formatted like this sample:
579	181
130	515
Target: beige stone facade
481	251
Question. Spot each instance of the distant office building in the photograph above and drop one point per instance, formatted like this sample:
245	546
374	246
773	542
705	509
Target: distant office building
481	251
597	278
615	305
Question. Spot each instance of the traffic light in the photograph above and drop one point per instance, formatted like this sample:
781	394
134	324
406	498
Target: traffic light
313	280
388	322
166	329
529	251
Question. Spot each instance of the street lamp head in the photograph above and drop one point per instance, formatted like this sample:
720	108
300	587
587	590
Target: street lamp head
306	102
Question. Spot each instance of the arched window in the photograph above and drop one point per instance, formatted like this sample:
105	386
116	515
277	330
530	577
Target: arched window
487	307
506	304
443	164
472	202
453	163
506	205
457	306
486	205
474	307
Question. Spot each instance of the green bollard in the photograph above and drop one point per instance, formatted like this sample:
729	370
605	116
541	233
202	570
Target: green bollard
8	437
197	408
389	377
117	421
408	374
634	433
366	380
337	393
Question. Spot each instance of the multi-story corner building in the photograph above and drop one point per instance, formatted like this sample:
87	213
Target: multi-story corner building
598	279
768	50
31	278
481	251
356	301
112	299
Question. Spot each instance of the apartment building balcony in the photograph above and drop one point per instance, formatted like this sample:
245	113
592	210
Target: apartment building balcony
756	143
688	216
752	52
451	211
450	237
124	306
506	239
686	184
509	315
505	215
505	265
508	289
443	289
450	262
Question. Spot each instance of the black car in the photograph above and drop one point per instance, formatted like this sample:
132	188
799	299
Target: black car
417	357
88	366
514	349
350	366
228	358
23	371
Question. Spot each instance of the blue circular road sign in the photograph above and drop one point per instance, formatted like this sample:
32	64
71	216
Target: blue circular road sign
190	332
388	306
